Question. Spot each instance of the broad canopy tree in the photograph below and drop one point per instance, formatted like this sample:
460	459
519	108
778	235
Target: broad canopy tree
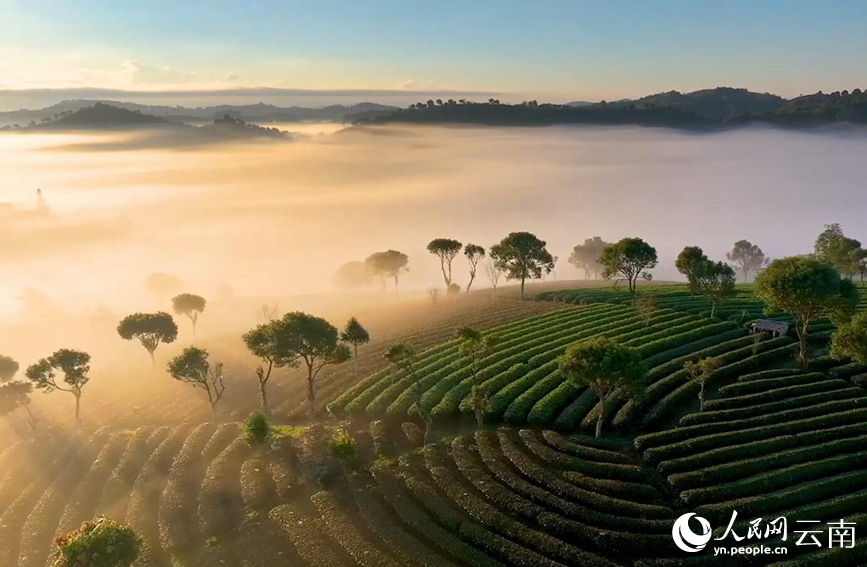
688	262
474	254
521	255
390	263
75	367
14	394
840	251
352	275
604	366
355	335
193	367
748	257
629	259
808	289
586	256
475	347
191	305
714	280
445	249
8	368
150	329
850	339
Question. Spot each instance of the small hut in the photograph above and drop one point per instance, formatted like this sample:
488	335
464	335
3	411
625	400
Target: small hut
773	328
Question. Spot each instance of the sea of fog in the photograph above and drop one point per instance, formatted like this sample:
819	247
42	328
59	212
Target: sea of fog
278	218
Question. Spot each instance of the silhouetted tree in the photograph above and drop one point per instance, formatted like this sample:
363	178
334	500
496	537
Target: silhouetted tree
355	335
586	256
313	341
475	347
474	254
808	289
836	249
748	257
193	367
522	255
163	285
8	368
263	341
603	365
434	293
688	261
404	357
494	273
190	305
73	364
390	263
14	395
150	329
714	280
352	275
628	259
445	249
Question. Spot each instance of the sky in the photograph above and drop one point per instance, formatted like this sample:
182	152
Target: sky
554	50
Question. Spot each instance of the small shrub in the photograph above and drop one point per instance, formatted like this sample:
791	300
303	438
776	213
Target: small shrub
413	433
343	445
256	427
98	543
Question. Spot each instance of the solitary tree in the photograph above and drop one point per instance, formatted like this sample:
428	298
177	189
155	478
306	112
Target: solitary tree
8	368
522	255
390	263
14	395
688	261
404	357
628	259
163	285
313	341
646	305
699	372
355	335
474	254
190	305
604	366
850	339
474	347
434	293
836	249
73	364
586	256
352	275
193	367
98	543
494	273
716	281
263	341
445	249
808	289
150	329
748	257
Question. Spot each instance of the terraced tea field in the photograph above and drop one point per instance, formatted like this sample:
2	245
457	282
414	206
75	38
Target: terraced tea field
530	489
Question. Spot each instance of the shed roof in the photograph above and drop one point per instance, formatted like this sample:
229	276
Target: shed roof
771	325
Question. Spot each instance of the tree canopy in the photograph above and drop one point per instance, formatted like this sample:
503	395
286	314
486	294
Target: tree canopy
748	257
355	335
8	368
715	280
445	249
390	263
850	339
474	254
193	367
628	259
263	341
688	261
586	256
191	305
808	289
75	367
352	275
522	255
98	543
840	251
150	329
603	365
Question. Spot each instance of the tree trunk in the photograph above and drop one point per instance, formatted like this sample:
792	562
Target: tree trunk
356	359
701	396
311	395
802	345
78	408
469	285
712	308
264	395
32	418
427	430
214	410
522	288
600	419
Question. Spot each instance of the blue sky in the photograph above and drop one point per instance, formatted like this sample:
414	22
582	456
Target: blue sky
552	50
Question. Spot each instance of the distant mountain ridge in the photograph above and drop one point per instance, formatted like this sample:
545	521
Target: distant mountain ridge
709	108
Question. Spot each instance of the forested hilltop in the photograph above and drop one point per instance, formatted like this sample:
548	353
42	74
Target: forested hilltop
711	108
